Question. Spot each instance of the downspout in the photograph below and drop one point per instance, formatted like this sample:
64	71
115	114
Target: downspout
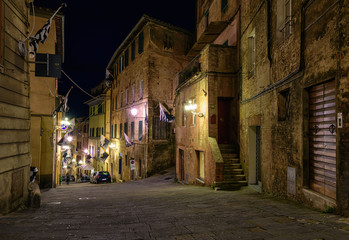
269	30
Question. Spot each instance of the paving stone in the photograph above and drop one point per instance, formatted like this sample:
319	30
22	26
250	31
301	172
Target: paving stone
154	208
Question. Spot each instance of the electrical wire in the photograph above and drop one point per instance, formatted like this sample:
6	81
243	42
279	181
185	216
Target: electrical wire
77	84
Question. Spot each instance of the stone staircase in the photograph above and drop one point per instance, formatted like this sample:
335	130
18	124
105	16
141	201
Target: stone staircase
233	174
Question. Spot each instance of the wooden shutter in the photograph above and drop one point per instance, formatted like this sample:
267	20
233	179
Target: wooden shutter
323	139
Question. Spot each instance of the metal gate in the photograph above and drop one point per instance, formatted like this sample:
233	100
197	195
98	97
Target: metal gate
322	120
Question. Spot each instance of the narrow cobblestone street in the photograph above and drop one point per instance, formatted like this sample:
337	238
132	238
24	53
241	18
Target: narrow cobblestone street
158	208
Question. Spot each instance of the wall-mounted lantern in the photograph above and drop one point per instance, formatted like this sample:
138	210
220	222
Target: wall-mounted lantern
192	107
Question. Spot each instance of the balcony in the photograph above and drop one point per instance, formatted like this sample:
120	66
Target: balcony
190	70
213	58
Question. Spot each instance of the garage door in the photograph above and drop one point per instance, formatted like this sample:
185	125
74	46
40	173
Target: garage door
323	139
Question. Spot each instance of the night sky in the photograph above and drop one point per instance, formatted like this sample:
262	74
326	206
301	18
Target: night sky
95	29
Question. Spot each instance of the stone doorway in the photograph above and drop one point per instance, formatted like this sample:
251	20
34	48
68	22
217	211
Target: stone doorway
255	157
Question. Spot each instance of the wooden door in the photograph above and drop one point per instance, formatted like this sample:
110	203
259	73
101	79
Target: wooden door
225	120
181	156
322	140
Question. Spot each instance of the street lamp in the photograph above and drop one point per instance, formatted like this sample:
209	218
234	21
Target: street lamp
134	111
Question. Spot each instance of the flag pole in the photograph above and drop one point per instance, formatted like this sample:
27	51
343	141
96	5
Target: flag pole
62	5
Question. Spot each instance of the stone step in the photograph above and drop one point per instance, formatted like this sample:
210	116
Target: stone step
229	155
229	185
234	177
233	171
232	166
232	161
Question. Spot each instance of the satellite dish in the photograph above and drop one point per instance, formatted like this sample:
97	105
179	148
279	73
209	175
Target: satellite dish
22	49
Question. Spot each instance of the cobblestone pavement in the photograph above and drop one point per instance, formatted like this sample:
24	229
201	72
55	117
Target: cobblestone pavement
158	208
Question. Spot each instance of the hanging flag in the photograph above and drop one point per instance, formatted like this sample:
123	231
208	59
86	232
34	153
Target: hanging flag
71	125
63	107
104	142
41	35
108	78
104	155
165	115
128	141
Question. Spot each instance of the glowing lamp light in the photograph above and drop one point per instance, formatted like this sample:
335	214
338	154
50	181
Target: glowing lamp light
80	162
134	112
70	138
190	106
73	160
86	151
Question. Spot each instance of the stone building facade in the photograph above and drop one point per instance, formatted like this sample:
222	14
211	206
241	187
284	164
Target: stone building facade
207	107
43	94
143	67
99	124
294	100
15	157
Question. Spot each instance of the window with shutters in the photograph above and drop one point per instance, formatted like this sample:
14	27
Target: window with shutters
126	128
284	19
133	93
140	130
121	100
126	96
141	89
111	132
252	54
159	129
132	130
120	129
140	43
115	130
126	57
133	51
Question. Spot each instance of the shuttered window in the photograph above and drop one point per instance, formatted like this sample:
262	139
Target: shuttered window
140	130
133	51
159	129
132	130
251	54
140	42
